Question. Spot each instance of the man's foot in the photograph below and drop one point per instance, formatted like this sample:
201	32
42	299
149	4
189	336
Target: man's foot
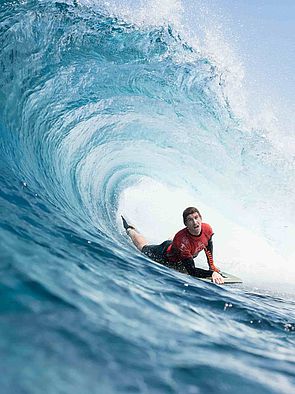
126	225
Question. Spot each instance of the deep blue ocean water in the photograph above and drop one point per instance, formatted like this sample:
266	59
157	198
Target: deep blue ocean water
101	116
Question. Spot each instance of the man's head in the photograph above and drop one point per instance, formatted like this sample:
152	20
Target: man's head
192	220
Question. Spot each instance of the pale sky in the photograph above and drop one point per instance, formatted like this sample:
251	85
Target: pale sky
265	31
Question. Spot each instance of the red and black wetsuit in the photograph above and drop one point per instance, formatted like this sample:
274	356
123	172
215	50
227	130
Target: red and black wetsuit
185	247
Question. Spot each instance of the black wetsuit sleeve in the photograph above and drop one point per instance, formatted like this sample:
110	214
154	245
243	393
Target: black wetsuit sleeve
193	271
210	246
209	255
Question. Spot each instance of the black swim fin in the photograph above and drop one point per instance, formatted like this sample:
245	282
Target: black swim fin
125	224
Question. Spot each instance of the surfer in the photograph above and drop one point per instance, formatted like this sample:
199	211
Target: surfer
180	252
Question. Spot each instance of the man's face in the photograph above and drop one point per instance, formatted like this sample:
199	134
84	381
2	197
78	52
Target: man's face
193	223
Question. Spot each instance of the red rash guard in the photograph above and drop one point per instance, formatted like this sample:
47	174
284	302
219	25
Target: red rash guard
187	246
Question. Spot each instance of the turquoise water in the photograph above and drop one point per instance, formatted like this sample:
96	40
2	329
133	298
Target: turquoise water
101	116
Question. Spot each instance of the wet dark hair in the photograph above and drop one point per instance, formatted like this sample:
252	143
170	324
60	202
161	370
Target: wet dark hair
189	211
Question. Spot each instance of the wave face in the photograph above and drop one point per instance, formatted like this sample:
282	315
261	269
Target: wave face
101	116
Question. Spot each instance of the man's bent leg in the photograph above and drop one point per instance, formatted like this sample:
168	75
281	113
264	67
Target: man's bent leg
138	239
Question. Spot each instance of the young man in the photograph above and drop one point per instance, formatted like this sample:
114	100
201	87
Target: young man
187	244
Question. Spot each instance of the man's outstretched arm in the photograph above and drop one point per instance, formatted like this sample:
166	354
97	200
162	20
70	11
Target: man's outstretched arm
193	271
216	277
209	255
200	273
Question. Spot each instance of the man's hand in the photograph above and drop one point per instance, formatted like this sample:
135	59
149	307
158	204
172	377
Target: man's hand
217	278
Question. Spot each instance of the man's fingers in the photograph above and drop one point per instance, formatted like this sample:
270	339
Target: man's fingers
218	281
